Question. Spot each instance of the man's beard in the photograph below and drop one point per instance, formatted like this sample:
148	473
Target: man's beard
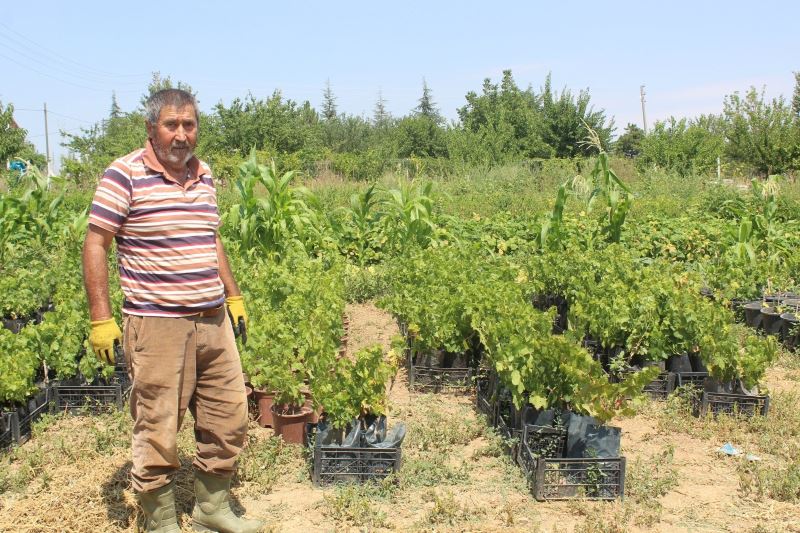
172	157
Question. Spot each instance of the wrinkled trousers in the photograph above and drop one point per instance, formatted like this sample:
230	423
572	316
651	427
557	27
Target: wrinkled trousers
175	364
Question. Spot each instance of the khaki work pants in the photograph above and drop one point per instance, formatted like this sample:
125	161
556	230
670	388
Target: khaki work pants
175	363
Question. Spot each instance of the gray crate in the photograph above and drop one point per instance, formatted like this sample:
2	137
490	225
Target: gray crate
568	479
540	441
435	379
88	398
742	405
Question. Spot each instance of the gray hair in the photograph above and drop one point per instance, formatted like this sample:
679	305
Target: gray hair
168	97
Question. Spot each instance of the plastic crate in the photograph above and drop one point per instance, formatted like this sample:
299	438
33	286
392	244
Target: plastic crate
733	404
695	379
436	379
511	435
567	479
661	387
334	464
41	403
9	430
88	398
540	441
337	464
658	389
484	391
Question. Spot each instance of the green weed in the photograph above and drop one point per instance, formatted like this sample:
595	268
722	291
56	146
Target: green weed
353	505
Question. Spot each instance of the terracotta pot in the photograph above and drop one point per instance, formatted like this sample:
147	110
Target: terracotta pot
264	400
290	423
314	416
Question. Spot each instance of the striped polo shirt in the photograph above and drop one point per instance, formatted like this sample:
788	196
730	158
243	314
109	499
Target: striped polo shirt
165	234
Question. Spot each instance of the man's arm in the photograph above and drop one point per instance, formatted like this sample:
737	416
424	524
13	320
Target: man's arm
225	273
95	272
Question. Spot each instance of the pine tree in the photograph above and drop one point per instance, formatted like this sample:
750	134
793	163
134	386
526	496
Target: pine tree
426	107
380	115
328	102
116	111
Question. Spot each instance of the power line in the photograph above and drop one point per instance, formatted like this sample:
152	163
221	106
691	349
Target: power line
78	85
57	66
62	58
54	113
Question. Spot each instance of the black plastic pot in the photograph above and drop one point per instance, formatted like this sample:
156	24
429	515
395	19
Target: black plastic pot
771	321
14	325
716	386
752	313
679	363
697	363
791	330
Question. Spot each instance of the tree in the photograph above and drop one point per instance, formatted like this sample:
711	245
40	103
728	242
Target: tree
158	83
763	134
426	107
683	146
566	117
629	143
420	136
505	120
116	111
796	96
380	116
328	103
12	137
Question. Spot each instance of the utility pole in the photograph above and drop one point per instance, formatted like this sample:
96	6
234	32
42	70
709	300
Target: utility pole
47	144
644	117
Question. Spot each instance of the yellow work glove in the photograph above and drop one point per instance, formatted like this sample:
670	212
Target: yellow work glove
102	337
237	313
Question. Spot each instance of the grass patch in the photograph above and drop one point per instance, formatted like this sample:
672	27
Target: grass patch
437	423
264	460
447	511
354	504
760	481
428	469
776	434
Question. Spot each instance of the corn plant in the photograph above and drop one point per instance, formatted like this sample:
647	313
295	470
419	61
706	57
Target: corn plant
273	223
409	210
604	187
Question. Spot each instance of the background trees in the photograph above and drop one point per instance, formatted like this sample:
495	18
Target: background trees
501	123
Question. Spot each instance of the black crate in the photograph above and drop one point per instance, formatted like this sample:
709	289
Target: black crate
734	404
566	479
37	406
540	441
504	425
485	384
658	389
334	464
436	379
88	398
9	430
694	379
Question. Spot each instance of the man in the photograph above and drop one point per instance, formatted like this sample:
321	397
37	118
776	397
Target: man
159	203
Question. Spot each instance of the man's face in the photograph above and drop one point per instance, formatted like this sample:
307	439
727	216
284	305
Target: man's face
174	136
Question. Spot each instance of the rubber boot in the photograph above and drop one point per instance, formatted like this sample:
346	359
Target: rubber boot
212	509
159	510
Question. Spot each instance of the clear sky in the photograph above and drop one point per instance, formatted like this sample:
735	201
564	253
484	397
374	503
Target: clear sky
688	54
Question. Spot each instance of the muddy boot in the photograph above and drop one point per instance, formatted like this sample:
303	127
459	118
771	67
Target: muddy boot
212	509
159	510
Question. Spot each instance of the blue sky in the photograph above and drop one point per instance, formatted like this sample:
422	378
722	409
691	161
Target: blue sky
689	55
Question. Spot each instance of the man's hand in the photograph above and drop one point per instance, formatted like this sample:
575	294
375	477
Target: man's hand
102	337
237	313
